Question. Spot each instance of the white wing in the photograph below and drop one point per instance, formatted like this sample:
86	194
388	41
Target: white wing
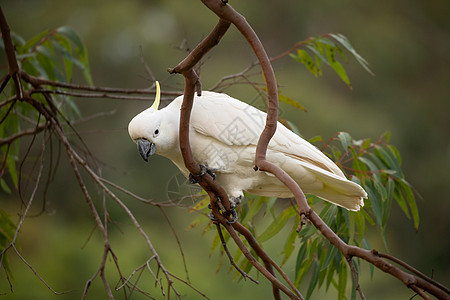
235	123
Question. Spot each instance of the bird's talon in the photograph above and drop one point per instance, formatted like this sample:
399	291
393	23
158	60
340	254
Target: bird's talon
206	170
192	180
212	217
234	216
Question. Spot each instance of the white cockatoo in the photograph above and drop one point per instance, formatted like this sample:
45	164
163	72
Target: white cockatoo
223	135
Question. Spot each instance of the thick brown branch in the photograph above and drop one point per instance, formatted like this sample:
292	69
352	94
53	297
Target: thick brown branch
13	67
228	13
372	257
202	48
413	270
192	85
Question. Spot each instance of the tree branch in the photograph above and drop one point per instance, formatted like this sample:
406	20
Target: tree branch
230	257
13	67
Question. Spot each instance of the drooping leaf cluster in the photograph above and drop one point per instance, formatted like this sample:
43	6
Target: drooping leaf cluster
315	52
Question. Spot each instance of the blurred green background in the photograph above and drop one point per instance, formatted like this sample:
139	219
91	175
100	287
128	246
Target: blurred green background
407	44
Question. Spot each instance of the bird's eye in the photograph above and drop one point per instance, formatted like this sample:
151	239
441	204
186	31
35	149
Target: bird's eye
156	132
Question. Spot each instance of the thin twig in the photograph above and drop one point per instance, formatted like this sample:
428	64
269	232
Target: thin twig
355	278
178	241
31	131
36	81
230	257
412	270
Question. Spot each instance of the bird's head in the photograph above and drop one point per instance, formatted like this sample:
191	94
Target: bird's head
153	130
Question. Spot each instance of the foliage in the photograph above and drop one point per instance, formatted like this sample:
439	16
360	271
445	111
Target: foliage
50	55
324	50
7	231
374	165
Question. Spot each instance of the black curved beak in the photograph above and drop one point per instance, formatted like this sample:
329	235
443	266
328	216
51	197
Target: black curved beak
146	148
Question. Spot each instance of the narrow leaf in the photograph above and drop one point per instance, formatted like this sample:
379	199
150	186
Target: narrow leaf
345	42
345	139
342	283
409	195
32	42
314	279
331	253
291	102
337	67
276	225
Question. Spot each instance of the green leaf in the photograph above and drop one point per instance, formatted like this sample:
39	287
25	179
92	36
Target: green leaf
351	226
44	63
80	50
32	42
337	67
253	208
301	255
372	167
366	246
306	59
409	195
342	283
390	186
314	279
398	196
346	43
332	251
270	203
291	102
289	246
315	139
366	144
63	46
277	225
360	223
368	186
387	136
389	158
5	186
345	139
7	232
73	36
330	275
11	165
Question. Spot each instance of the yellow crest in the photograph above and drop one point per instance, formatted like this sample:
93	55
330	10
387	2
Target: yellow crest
158	97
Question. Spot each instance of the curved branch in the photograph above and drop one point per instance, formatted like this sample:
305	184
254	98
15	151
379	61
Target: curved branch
226	12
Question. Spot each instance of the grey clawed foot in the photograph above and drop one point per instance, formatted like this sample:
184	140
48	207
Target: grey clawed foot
211	215
234	201
204	170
